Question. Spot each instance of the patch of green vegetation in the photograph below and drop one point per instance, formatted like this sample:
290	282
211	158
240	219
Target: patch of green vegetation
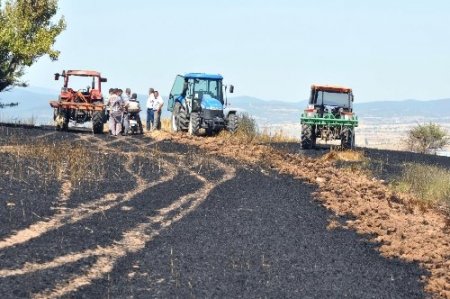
430	184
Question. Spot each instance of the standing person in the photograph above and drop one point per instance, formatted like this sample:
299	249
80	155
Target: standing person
106	102
127	96
150	114
157	110
107	106
133	109
125	118
116	105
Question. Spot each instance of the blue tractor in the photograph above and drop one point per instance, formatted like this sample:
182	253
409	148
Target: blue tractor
198	101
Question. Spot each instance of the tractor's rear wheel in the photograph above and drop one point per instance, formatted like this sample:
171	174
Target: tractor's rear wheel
232	123
97	122
308	137
347	138
61	120
194	124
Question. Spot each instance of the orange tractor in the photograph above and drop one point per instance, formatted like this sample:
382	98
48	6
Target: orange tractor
80	106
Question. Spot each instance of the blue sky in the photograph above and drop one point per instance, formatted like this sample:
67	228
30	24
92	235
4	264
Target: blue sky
384	50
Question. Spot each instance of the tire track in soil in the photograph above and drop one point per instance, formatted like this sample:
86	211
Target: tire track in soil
66	216
133	240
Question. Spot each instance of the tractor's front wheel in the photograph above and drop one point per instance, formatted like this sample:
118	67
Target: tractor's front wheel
61	120
308	137
97	122
194	124
347	138
232	123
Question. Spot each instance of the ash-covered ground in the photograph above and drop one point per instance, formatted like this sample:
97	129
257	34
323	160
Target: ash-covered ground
158	219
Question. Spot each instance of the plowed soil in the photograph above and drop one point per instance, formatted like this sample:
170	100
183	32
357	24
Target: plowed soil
176	216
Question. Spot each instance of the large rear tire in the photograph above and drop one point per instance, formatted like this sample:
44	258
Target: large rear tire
308	137
347	138
97	122
232	123
194	124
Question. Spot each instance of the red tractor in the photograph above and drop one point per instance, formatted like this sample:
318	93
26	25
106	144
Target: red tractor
80	106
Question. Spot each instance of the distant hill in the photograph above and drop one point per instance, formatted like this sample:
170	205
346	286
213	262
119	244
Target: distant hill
407	108
288	112
33	103
268	111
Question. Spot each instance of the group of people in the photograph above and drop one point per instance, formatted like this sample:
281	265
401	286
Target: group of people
123	107
154	108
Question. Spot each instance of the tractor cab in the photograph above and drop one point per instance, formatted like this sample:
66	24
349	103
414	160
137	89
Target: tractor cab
198	92
330	99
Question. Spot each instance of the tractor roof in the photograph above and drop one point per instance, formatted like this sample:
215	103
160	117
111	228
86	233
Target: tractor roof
203	76
83	73
331	88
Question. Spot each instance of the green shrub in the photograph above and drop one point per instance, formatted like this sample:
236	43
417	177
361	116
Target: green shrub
427	138
247	127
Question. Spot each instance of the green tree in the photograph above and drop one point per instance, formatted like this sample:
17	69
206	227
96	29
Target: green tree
27	32
427	138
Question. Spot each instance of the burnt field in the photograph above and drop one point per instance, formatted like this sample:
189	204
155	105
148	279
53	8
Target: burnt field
86	216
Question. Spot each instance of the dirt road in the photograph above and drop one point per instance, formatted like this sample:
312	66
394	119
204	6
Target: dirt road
171	220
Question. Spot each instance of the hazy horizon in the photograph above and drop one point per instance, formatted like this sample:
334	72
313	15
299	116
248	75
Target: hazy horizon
269	50
41	89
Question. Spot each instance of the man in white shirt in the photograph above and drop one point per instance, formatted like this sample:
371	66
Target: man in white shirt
157	109
107	108
150	114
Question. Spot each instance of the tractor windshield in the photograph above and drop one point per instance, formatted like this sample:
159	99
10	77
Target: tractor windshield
207	88
82	83
333	99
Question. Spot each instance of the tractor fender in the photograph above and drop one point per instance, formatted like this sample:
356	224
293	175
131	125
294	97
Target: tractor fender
172	101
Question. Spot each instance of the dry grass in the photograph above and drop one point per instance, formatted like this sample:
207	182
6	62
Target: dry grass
166	124
345	156
52	161
247	132
429	184
32	120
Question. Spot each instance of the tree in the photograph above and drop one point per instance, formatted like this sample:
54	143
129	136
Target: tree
27	33
427	138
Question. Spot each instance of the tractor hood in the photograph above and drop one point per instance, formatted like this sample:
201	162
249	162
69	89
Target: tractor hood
210	103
